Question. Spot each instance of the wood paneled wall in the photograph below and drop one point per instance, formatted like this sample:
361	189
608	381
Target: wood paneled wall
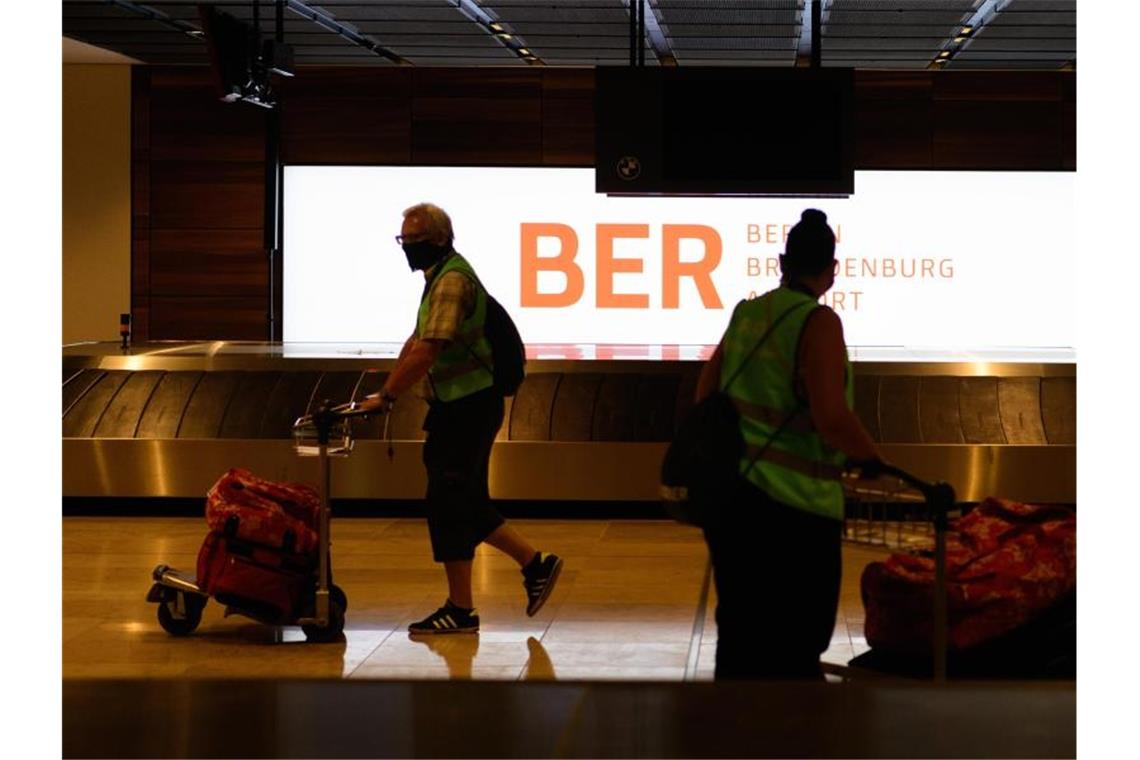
198	259
986	120
199	265
454	117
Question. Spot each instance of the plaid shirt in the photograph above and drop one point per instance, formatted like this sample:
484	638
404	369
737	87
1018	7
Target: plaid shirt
452	301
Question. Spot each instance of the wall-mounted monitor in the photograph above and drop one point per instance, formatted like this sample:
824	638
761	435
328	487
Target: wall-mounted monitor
724	131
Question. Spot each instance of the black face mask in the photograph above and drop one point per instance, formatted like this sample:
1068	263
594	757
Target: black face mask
422	255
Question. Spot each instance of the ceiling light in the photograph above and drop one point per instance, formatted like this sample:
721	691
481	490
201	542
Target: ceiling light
959	40
524	51
944	54
496	27
504	36
967	29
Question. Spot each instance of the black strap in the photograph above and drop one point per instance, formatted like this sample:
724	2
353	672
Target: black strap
762	341
486	307
799	405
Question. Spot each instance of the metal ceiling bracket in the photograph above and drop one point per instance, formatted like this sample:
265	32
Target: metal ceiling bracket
325	19
984	14
493	26
158	16
644	28
810	45
636	33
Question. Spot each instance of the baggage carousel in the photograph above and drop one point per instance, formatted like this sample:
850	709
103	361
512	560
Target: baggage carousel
590	423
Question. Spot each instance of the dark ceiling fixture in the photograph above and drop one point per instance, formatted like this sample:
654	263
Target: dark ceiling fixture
241	60
316	15
276	54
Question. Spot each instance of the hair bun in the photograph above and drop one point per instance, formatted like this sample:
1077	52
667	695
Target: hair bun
813	216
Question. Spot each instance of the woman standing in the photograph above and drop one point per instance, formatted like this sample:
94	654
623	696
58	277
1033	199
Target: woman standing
775	545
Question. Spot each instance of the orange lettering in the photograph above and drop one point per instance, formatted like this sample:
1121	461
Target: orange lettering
608	266
532	264
673	269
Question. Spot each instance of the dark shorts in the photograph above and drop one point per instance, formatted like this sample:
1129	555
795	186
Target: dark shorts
456	452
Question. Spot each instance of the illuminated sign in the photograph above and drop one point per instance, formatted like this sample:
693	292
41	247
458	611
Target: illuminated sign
942	260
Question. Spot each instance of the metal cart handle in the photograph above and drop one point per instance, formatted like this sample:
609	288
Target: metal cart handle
938	494
350	410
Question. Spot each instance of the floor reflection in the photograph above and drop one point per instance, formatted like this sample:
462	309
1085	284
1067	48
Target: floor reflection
539	667
458	652
597	625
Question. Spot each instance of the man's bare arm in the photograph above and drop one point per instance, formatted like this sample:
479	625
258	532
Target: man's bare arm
414	362
407	346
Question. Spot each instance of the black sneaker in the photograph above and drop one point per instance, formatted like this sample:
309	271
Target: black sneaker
447	619
539	578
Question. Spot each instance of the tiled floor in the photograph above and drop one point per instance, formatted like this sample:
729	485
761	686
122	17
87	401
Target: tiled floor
624	609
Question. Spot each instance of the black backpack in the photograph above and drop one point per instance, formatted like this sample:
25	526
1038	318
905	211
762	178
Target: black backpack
701	465
702	462
507	353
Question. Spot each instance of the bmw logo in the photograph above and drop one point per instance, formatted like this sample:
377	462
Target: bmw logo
628	168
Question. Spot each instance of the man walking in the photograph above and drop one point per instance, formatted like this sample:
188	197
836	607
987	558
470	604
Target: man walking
450	357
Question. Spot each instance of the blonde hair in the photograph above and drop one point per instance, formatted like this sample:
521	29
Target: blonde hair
438	222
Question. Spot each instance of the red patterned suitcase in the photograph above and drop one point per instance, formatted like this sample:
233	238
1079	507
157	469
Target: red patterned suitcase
1006	564
269	583
279	515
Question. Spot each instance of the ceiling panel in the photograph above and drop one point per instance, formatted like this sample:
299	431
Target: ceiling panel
1023	34
586	32
758	33
859	33
881	34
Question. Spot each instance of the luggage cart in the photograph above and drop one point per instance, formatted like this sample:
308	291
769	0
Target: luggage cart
896	510
324	434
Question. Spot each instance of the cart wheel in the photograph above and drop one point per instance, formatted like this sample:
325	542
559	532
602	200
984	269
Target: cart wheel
182	626
333	630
